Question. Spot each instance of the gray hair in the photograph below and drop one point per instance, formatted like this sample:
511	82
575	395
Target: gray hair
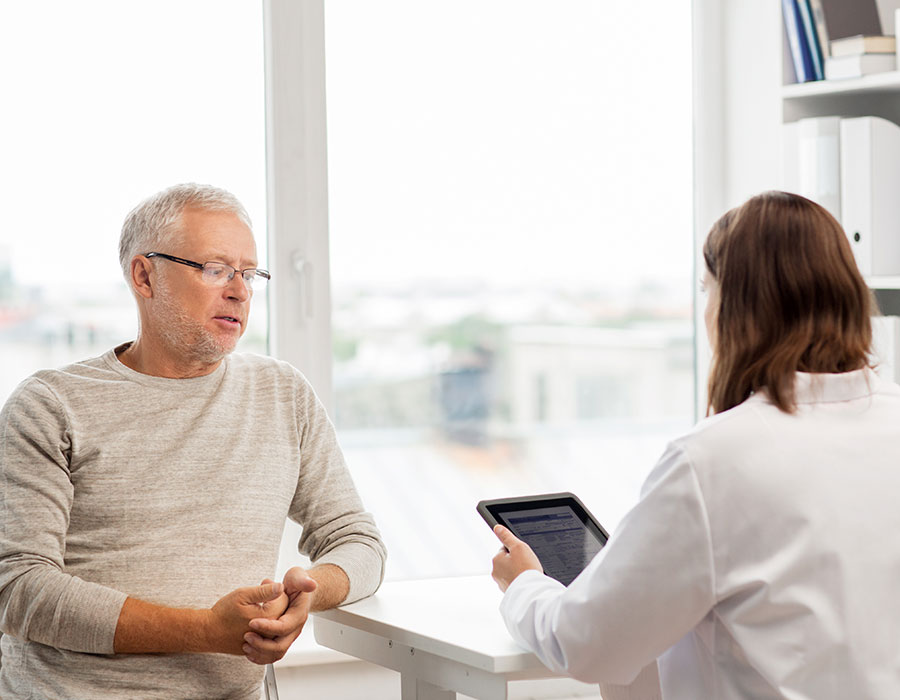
157	220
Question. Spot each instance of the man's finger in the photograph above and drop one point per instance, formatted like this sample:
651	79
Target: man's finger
298	581
287	623
305	586
265	592
258	655
279	645
267	627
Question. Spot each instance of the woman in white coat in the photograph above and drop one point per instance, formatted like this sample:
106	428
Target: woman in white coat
763	558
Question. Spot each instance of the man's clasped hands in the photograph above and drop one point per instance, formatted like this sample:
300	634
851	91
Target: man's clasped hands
261	622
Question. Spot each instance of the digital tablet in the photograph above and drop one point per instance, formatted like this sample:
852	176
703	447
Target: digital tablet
561	531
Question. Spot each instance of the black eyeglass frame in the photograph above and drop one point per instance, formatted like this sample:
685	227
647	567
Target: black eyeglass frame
258	272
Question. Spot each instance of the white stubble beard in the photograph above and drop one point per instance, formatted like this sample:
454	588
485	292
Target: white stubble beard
187	335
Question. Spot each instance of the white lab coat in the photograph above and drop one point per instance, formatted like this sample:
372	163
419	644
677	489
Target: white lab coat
762	561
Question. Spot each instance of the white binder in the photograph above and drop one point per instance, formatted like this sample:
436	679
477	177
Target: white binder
870	192
812	161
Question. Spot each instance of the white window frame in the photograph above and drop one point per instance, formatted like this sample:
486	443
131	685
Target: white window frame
297	189
709	161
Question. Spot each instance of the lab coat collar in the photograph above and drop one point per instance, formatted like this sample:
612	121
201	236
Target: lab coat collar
827	388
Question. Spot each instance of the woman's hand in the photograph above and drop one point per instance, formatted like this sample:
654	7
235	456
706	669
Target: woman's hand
514	558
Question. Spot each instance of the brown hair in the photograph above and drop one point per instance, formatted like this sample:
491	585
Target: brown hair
791	299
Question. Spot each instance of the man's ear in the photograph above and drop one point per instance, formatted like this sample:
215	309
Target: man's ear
141	271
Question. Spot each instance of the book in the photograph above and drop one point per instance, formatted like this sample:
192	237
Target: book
845	18
788	74
842	67
853	45
818	14
839	19
812	39
800	53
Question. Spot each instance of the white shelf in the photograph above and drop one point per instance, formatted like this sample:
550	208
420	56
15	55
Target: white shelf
875	83
883	282
876	94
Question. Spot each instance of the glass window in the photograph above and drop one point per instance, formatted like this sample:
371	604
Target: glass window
105	103
510	189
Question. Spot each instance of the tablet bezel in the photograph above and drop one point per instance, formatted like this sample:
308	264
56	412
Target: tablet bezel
492	510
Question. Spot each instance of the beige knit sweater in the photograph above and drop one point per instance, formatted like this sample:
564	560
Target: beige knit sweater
175	491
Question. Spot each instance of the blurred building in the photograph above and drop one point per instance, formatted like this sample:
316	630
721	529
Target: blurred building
560	375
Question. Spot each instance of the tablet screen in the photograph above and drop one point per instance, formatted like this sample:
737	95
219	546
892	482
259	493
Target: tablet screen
563	535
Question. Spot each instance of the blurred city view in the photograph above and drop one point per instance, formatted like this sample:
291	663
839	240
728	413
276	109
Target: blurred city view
478	363
41	328
448	394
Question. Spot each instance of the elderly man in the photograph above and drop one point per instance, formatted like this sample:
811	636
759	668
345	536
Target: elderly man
141	486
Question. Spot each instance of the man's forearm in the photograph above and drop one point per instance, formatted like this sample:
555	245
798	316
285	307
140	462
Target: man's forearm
145	628
332	586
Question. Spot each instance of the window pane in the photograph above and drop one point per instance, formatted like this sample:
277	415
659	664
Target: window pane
107	102
511	243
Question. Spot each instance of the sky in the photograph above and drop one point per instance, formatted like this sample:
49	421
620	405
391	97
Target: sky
512	142
114	101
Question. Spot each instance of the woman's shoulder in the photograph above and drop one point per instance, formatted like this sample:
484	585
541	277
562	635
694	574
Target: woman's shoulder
734	420
738	431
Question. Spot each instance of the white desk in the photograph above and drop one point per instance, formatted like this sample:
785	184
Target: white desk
443	635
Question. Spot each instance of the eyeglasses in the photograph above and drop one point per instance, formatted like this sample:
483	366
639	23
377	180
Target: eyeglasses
217	274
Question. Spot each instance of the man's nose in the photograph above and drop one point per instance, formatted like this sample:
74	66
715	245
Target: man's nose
238	289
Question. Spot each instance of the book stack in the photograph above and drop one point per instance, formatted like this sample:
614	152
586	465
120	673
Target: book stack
860	55
838	39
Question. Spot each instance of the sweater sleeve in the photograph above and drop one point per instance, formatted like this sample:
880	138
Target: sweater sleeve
336	528
651	585
38	601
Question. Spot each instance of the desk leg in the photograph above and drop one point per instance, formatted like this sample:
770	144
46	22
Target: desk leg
412	688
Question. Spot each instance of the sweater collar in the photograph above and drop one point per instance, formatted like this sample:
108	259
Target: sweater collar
191	383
